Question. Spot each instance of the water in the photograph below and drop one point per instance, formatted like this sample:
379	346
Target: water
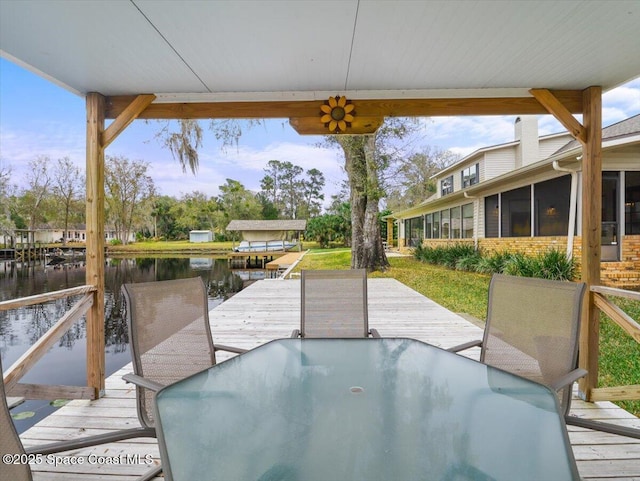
65	362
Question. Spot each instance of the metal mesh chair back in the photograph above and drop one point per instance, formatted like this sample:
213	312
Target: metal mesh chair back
532	328
334	303
10	443
169	334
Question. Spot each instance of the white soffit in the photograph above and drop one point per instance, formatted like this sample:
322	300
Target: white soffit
304	50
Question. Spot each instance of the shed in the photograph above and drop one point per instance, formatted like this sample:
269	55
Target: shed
200	236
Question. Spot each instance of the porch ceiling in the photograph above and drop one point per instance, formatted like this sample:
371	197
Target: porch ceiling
292	50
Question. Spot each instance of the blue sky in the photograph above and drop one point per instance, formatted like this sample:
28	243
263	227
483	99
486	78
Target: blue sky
40	118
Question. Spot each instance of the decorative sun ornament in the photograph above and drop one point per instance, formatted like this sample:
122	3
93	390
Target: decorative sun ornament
337	114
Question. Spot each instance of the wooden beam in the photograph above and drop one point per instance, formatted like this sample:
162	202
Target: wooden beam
618	316
48	339
313	126
45	391
619	393
128	115
45	297
572	100
95	241
550	102
591	236
613	291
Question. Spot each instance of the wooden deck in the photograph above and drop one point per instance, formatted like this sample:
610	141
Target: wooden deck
268	310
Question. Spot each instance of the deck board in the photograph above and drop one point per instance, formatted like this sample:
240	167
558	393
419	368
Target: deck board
268	310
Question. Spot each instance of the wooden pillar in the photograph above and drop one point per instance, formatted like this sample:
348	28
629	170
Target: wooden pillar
389	233
95	241
591	235
589	133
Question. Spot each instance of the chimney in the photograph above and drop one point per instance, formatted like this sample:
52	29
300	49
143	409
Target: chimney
526	131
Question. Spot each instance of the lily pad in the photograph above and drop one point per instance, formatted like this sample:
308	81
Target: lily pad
23	415
58	403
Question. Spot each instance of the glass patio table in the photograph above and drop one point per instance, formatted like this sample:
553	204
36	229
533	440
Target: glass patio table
360	409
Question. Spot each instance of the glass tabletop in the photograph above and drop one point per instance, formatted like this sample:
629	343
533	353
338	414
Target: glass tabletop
360	409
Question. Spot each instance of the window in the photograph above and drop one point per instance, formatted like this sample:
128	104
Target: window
552	206
428	233
467	221
515	218
491	219
436	225
470	176
456	222
632	203
414	231
445	223
446	185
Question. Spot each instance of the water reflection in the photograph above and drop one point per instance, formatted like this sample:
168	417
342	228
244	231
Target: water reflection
65	362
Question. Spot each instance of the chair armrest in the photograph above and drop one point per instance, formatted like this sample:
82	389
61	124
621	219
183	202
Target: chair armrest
222	347
374	333
466	345
143	382
567	379
295	333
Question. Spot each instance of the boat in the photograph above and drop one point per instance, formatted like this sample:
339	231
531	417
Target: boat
264	246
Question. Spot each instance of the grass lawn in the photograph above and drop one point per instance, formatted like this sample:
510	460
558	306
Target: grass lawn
466	292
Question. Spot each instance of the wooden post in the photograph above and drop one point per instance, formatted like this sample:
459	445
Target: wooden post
95	241
589	133
591	235
389	233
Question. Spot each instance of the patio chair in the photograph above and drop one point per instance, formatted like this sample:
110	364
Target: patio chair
532	330
333	303
11	444
169	336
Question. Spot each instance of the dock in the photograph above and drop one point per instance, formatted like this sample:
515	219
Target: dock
269	309
280	266
254	259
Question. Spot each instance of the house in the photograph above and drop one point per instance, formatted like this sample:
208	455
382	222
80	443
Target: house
526	196
51	235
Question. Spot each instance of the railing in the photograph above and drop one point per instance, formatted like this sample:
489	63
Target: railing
42	345
630	326
40	391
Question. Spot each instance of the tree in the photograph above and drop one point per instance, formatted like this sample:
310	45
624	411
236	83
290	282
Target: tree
312	194
67	191
293	195
411	180
164	222
238	202
129	192
367	158
324	229
7	226
268	209
39	188
197	211
341	209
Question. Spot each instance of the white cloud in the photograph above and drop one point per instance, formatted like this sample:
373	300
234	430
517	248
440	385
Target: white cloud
459	132
464	135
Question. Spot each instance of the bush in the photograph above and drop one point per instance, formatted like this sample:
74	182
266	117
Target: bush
553	264
469	263
518	264
493	264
